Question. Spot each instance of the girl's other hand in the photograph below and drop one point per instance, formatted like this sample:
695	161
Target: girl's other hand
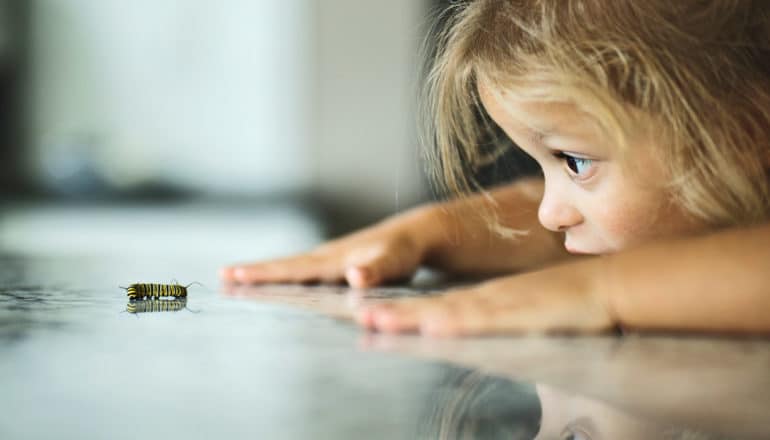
564	298
390	250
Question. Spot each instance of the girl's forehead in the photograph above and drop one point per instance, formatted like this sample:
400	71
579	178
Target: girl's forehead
606	128
542	118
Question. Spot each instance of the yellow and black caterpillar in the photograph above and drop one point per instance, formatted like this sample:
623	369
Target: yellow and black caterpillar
156	290
156	305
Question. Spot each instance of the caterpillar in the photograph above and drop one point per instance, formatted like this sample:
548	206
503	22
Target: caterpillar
156	290
156	305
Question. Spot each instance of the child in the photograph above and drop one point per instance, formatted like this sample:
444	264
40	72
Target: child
650	121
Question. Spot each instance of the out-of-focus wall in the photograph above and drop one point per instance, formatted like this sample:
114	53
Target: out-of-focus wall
211	96
242	97
367	156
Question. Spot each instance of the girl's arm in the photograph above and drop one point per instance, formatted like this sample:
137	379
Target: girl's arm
450	236
719	282
464	243
713	283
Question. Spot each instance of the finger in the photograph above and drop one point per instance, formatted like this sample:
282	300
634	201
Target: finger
378	267
227	273
398	318
458	320
465	312
360	276
458	313
480	313
395	316
302	268
364	316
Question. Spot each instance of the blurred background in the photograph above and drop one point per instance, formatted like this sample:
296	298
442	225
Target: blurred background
213	124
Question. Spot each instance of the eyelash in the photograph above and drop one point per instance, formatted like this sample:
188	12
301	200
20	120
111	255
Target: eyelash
567	158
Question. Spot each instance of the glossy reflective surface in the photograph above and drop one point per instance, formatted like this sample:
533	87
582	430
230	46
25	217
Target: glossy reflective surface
74	364
286	362
629	386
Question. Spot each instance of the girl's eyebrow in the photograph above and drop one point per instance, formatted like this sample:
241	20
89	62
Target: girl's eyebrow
537	136
540	136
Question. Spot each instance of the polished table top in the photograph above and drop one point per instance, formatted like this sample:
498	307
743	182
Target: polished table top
286	362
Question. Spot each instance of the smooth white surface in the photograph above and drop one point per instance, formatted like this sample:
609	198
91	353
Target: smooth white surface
73	365
187	230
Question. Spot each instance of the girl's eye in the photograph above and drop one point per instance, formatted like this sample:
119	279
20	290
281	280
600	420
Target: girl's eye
578	167
570	434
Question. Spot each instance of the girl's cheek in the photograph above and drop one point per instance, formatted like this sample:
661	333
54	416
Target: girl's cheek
625	224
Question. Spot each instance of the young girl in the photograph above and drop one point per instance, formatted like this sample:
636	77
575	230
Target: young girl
651	123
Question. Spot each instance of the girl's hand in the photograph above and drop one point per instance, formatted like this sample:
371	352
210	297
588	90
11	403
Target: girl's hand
564	298
390	250
450	236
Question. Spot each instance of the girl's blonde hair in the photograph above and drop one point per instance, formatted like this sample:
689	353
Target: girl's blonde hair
698	70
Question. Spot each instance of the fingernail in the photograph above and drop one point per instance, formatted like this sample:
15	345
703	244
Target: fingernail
225	272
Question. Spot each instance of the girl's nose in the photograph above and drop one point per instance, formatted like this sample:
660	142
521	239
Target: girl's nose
556	213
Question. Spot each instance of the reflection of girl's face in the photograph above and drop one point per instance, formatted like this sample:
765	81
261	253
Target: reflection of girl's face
571	417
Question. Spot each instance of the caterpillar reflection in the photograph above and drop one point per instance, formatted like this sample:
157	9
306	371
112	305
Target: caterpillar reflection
156	305
156	290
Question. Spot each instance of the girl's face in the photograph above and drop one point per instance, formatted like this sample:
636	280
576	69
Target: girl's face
599	204
567	416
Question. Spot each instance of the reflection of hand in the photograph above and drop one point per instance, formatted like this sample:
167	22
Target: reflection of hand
390	250
561	298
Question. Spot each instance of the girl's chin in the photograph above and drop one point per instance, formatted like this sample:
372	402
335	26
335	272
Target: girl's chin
578	250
